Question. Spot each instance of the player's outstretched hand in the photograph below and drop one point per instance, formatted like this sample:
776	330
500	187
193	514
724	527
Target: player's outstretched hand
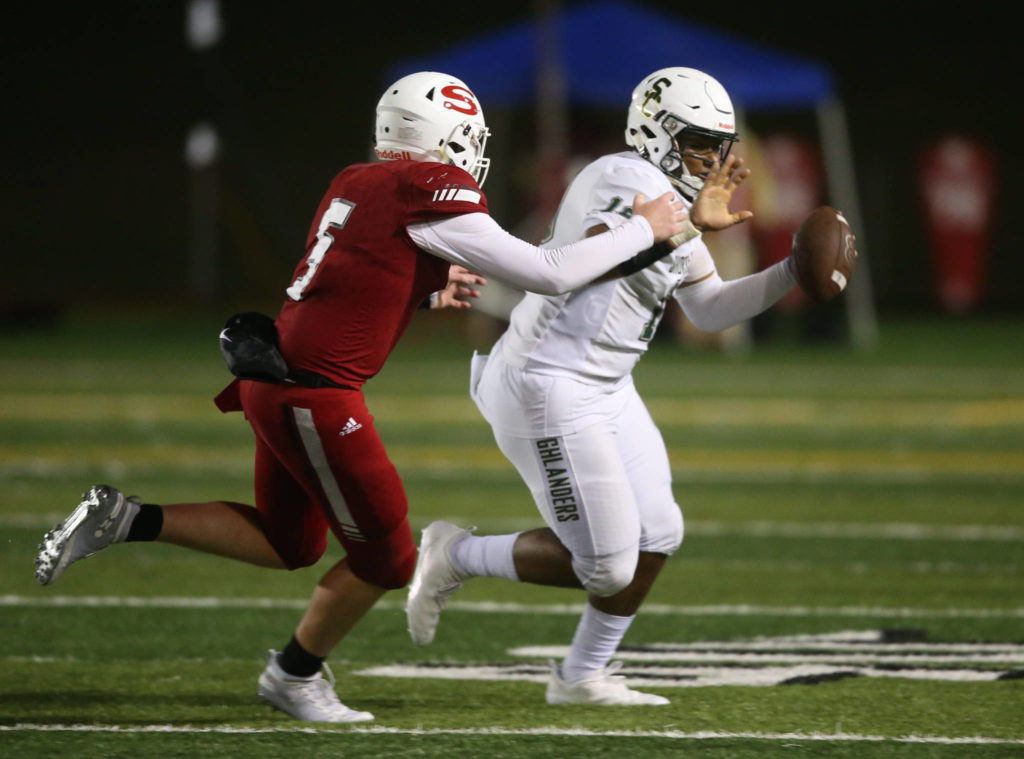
710	209
664	214
460	289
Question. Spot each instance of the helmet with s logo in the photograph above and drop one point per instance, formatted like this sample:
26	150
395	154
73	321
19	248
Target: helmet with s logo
429	116
671	106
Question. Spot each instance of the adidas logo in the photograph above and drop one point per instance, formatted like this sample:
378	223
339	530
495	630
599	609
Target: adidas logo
350	426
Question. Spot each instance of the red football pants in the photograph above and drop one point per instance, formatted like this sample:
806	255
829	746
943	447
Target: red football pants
320	464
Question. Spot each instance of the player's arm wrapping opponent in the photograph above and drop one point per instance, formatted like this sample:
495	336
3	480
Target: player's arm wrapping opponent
477	242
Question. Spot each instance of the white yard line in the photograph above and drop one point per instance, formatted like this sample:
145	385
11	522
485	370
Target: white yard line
888	530
909	659
543	731
494	607
698	676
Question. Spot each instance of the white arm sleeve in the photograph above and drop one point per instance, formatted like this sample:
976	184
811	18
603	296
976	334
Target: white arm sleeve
713	304
478	242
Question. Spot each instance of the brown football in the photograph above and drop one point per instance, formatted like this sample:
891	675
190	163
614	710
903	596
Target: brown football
823	254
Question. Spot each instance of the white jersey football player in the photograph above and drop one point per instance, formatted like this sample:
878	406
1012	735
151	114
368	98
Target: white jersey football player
558	392
384	237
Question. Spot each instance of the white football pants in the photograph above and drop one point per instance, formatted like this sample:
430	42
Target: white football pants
594	461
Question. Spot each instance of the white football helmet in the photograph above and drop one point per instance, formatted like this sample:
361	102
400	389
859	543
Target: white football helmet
670	104
429	116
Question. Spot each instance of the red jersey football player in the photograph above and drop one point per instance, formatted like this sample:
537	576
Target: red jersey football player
385	237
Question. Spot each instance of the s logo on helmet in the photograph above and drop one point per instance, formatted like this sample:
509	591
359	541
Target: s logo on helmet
460	99
654	93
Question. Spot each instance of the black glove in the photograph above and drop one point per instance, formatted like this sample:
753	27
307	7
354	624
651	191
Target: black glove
249	345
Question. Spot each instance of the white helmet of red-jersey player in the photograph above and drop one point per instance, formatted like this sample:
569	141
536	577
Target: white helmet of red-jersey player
429	116
670	104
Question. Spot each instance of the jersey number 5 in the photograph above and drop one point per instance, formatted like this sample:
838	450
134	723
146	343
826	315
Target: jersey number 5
334	218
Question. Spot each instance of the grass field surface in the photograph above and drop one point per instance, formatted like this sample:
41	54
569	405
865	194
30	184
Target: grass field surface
851	583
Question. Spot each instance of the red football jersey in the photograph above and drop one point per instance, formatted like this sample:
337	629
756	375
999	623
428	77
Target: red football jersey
362	278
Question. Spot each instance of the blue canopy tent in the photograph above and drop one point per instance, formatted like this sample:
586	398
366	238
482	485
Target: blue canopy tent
593	54
603	49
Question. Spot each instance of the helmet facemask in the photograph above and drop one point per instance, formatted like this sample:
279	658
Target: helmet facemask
673	163
465	148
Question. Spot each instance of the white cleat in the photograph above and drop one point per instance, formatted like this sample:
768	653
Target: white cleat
434	580
103	517
310	698
603	688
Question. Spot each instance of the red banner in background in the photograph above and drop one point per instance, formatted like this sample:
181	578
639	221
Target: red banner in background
958	184
789	189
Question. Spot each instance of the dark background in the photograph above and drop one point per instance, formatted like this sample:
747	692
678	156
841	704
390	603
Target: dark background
99	98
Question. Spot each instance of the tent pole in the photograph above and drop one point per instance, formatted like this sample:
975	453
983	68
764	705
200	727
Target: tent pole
842	187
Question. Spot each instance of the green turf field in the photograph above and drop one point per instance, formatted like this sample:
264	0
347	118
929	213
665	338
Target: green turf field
851	584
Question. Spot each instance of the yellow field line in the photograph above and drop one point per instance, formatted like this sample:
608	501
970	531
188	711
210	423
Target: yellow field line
139	407
733	412
998	412
467	459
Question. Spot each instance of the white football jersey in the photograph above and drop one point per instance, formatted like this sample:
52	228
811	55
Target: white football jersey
599	332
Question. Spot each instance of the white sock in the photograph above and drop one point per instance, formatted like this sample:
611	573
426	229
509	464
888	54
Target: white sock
485	556
597	637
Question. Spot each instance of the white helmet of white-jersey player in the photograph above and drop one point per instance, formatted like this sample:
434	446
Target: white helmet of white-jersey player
670	105
429	116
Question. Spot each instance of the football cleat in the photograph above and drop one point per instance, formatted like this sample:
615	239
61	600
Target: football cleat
603	688
309	698
103	517
434	580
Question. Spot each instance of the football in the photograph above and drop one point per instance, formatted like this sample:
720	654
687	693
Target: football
823	254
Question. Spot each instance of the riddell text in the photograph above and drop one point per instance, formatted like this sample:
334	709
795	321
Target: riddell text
393	154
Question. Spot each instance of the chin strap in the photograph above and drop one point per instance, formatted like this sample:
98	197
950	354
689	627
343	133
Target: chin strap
686	190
